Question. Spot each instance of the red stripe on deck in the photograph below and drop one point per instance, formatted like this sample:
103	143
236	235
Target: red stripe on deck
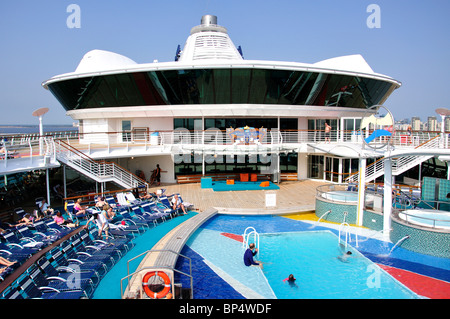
233	236
420	284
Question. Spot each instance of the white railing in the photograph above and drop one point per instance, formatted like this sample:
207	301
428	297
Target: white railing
97	170
399	165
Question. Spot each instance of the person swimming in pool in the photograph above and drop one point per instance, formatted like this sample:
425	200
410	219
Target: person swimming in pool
291	280
344	258
249	254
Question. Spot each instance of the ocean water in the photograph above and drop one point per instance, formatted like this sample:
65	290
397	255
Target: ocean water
30	129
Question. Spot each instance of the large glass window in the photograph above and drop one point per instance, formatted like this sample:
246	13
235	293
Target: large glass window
315	166
220	86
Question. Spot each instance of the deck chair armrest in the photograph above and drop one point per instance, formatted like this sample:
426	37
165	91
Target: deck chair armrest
75	260
100	241
15	245
65	269
84	253
41	234
57	278
49	289
5	251
29	239
93	247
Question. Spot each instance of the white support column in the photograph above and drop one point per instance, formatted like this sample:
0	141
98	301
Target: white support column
203	163
387	205
64	181
361	191
48	186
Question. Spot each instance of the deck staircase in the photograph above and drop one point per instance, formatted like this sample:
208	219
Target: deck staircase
99	171
399	164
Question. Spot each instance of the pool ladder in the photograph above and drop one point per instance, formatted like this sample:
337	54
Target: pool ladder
344	227
246	237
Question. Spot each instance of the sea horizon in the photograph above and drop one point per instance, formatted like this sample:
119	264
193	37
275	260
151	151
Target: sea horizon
34	128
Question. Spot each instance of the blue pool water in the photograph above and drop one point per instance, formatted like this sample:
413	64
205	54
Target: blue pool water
225	257
210	262
109	286
427	217
312	257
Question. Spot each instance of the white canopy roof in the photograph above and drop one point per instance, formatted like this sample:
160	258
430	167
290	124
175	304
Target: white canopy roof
99	60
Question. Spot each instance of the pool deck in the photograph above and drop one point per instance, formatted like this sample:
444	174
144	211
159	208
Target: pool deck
292	197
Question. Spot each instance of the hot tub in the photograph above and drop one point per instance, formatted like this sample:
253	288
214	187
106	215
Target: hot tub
427	217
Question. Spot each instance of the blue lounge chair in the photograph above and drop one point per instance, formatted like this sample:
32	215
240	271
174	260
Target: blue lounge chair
18	255
62	230
29	290
11	237
91	253
57	257
145	216
41	227
16	252
149	208
111	201
45	265
166	205
101	265
123	244
59	283
26	232
108	249
161	209
133	220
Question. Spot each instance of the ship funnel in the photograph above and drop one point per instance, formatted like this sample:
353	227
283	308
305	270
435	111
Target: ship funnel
209	19
208	41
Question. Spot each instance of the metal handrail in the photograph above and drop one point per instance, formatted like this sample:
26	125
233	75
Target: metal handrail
434	220
100	169
156	268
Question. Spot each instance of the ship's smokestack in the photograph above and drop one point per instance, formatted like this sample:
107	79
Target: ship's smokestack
209	19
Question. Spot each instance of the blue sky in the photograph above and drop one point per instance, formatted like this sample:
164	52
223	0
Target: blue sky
412	45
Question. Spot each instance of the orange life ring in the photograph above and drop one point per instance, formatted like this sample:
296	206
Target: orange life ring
151	293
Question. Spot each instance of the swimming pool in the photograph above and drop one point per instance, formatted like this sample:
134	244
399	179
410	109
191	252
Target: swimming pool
314	258
211	281
427	217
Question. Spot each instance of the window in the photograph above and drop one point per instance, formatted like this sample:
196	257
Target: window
220	86
126	131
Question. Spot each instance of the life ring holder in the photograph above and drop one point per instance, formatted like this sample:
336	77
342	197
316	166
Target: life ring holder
150	293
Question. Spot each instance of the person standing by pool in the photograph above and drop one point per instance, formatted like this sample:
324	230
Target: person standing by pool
249	254
158	175
101	221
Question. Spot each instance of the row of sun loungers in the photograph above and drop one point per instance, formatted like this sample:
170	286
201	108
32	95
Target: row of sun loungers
73	267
